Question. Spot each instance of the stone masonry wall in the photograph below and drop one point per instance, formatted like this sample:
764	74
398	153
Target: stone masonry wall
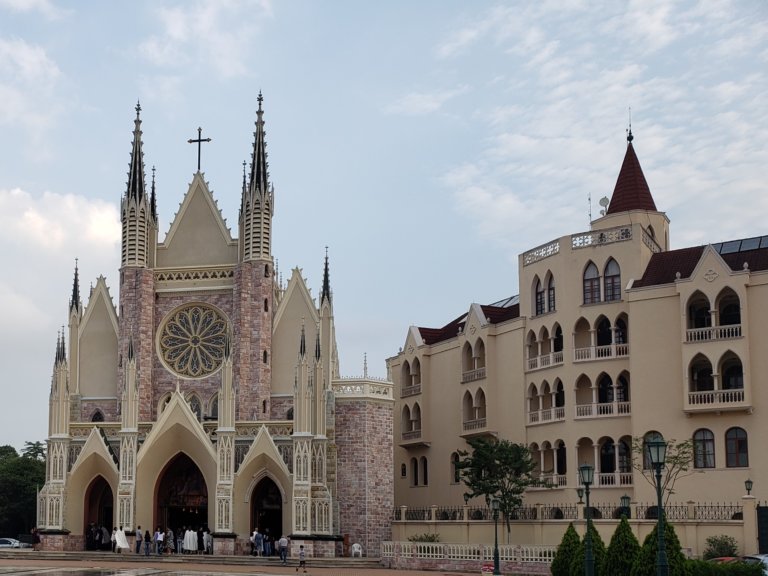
365	471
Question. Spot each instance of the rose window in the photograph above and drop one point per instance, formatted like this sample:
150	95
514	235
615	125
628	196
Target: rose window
192	341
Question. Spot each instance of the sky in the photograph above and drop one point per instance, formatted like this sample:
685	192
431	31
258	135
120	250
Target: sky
426	143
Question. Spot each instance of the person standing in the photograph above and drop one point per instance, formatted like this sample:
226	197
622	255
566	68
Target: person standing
147	542
302	559
159	540
139	538
121	541
208	541
113	540
282	545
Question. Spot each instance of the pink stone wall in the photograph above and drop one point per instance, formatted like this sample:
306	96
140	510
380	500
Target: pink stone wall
61	542
109	408
364	471
279	407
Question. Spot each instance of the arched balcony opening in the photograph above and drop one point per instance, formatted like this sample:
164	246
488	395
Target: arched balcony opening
546	345
416	372
729	308
546	396
585	399
603	332
701	378
405	377
479	354
473	359
557	343
621	336
622	392
699	318
467	363
731	372
534	404
582	340
405	420
467	407
561	462
480	407
586	452
605	395
536	458
416	418
559	400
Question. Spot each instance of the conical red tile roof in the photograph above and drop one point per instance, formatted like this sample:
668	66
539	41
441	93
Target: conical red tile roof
631	191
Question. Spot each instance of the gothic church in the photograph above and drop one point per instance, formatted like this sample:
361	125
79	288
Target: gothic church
211	395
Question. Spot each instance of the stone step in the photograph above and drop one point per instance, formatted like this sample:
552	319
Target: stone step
176	559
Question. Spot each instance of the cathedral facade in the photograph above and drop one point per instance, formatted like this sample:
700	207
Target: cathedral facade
211	394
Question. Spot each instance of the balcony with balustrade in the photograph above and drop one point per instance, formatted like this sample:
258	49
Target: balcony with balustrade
713	333
545	361
412	390
602	410
473	375
591	353
717	401
547	415
609	479
476	428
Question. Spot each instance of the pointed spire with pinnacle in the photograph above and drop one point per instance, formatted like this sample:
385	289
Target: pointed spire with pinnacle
303	342
259	174
631	191
131	354
74	301
317	342
136	182
153	198
325	293
228	343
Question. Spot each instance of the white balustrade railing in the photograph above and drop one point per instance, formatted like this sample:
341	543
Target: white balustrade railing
545	360
475	424
716	397
600	352
538	554
614	479
472	375
710	333
603	409
546	415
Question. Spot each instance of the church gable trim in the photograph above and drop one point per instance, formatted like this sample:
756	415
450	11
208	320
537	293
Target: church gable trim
710	266
95	446
176	412
263	445
297	287
100	294
198	185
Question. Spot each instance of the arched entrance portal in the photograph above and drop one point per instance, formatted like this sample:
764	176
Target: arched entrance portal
267	508
182	495
99	509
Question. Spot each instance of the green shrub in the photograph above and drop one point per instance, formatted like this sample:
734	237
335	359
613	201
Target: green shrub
622	550
722	545
424	538
645	563
598	552
703	568
561	564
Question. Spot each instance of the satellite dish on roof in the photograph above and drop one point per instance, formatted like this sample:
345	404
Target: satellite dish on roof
604	201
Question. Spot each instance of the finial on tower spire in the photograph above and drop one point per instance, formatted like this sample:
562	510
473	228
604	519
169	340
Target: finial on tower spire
629	130
317	341
74	302
303	341
325	293
136	183
153	197
365	364
138	108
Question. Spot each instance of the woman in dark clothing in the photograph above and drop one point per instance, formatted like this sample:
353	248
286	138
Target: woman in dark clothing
200	541
147	542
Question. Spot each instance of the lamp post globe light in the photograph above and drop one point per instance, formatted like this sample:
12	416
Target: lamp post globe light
657	454
586	477
495	507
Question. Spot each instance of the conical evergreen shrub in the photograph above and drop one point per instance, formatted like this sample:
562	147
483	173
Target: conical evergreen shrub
645	563
622	550
598	552
561	564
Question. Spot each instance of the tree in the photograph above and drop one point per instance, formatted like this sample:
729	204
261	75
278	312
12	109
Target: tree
676	465
569	545
598	553
622	550
497	469
645	563
34	450
19	477
7	451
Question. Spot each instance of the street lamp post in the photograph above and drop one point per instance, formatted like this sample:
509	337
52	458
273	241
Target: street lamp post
495	508
586	476
625	502
657	453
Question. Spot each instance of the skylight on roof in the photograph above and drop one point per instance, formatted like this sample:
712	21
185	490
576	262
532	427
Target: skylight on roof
733	246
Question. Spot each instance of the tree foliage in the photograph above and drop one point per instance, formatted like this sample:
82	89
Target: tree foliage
622	550
20	477
497	469
720	545
598	553
569	545
645	563
678	462
34	450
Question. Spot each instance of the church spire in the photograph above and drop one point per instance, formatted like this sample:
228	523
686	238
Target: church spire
631	191
317	342
74	301
303	343
153	198
259	175
136	172
325	293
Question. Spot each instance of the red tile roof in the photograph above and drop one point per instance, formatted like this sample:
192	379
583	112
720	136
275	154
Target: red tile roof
495	315
631	191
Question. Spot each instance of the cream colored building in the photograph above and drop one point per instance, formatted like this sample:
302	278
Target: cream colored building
613	336
210	393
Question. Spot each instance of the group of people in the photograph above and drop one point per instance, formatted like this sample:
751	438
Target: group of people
264	545
186	541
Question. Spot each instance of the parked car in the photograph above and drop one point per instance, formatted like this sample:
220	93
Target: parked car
761	559
724	560
13	543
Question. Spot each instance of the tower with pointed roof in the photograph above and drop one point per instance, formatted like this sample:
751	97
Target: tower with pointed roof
186	403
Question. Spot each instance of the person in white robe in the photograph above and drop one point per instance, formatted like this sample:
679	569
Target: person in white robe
121	542
190	541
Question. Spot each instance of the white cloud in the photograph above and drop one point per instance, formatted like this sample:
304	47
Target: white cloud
44	7
219	33
420	103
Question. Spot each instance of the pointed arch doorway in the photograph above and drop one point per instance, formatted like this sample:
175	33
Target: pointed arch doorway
182	495
98	513
267	508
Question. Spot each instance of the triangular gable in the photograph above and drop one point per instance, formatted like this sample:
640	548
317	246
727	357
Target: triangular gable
711	266
98	345
297	289
177	412
413	340
95	446
475	320
198	235
263	448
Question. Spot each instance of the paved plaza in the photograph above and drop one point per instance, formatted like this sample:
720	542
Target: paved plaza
100	567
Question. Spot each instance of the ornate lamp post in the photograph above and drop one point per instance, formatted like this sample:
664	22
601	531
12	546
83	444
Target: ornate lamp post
495	507
625	502
580	494
587	476
748	485
657	454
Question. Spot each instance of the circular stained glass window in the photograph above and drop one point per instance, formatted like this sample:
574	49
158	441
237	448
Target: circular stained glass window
192	340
